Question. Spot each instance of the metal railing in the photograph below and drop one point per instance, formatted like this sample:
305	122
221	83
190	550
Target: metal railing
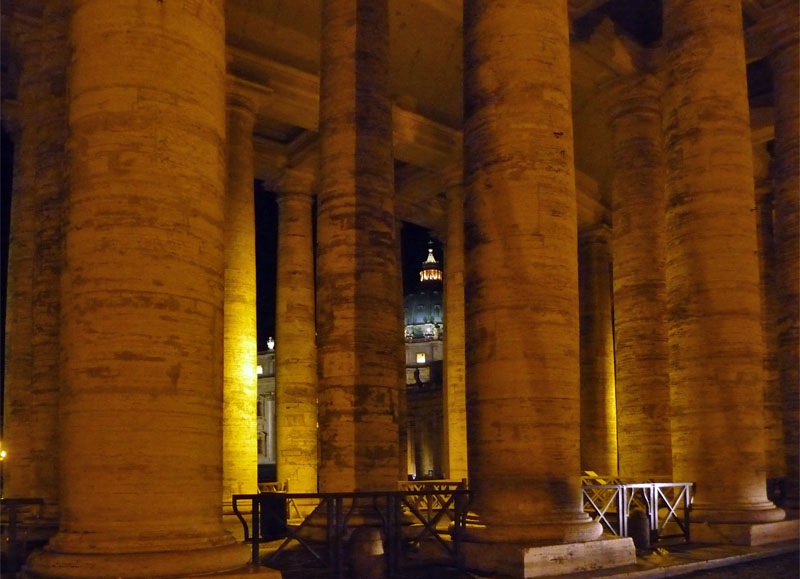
292	510
664	504
405	518
430	496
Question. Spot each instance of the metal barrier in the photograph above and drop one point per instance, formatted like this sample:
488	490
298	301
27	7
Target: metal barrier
431	495
324	532
292	510
612	504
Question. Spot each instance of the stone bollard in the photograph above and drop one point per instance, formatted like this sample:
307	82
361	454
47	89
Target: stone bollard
366	555
639	529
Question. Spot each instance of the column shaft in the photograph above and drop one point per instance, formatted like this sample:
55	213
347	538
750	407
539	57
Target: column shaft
142	296
787	240
598	400
521	274
359	294
712	267
239	380
295	352
36	256
640	300
454	401
773	401
240	350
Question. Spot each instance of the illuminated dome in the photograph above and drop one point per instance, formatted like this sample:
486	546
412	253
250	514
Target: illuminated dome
423	307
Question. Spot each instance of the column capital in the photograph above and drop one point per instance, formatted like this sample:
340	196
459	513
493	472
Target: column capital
296	184
598	234
630	94
246	95
12	120
764	193
452	175
777	29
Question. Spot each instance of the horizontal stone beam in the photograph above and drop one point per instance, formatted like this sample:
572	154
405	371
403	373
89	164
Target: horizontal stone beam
772	26
295	101
453	8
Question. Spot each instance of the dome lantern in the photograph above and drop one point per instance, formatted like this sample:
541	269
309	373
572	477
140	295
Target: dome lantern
430	267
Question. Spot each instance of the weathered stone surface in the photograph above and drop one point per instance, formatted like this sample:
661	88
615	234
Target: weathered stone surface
359	295
712	268
518	561
774	452
521	275
454	401
640	301
295	352
744	534
239	380
598	399
32	376
141	391
785	65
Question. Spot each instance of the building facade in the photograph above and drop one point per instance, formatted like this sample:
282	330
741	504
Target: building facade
265	415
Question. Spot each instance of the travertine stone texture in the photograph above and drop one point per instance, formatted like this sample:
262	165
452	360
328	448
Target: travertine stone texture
359	293
640	299
296	352
786	75
454	402
239	380
712	267
773	400
142	296
598	400
520	561
738	534
30	429
521	274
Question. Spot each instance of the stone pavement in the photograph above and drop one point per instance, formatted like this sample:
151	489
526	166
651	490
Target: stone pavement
785	566
677	560
721	561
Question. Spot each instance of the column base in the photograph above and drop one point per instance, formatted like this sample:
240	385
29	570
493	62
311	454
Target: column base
765	512
580	529
746	534
49	563
521	562
248	572
231	523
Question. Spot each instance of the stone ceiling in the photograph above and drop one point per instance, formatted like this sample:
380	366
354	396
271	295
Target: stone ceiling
610	39
276	43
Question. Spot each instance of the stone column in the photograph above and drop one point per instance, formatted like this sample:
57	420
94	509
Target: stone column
454	402
640	299
30	432
296	353
142	295
712	265
239	380
773	401
521	274
786	78
598	400
359	289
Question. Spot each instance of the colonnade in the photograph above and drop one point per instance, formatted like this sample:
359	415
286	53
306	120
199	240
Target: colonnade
137	296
